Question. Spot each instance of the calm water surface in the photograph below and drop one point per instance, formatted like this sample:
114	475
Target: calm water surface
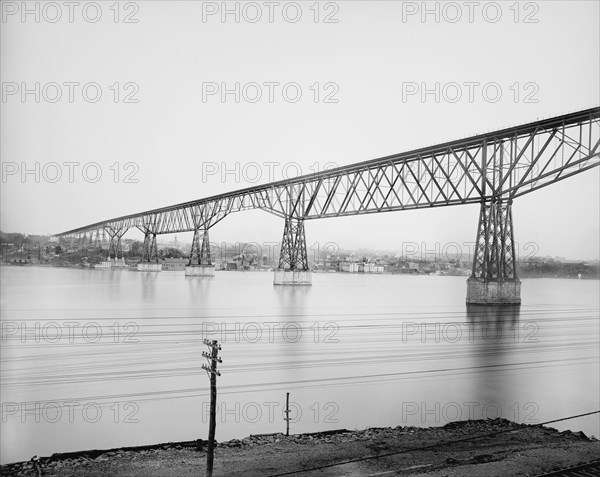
108	358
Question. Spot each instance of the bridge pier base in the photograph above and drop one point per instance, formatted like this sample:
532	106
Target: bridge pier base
292	277
490	292
293	259
493	280
117	262
149	267
200	271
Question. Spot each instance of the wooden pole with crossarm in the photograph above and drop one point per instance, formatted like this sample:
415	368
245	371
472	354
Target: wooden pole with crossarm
211	369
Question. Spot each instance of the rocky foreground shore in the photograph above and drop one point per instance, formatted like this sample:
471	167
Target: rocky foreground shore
468	448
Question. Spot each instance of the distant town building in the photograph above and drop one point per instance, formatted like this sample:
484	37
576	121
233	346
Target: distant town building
370	268
20	260
351	267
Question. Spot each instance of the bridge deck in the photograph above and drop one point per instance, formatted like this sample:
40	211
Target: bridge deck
505	163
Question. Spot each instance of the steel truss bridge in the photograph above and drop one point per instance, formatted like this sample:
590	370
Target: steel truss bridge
490	169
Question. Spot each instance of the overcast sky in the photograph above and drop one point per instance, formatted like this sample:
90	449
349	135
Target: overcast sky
162	123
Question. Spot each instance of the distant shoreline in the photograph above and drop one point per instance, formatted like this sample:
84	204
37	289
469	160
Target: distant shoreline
131	269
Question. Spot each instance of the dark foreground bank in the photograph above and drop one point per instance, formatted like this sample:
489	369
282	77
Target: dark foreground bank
469	448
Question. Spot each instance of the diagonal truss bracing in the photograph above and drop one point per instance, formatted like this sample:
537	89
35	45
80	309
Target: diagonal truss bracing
502	164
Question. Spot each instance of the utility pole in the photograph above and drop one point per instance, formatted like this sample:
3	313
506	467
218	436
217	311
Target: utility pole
211	369
287	414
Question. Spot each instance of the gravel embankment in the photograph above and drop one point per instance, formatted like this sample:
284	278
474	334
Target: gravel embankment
513	449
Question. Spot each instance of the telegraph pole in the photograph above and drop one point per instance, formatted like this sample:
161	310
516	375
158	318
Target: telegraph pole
211	369
287	414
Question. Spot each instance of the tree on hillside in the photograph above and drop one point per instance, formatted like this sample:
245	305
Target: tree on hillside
171	252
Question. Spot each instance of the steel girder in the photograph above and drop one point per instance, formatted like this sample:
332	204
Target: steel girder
150	250
200	254
96	238
495	245
115	247
293	255
503	164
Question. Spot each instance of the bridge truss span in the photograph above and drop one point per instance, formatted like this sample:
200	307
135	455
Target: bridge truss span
492	168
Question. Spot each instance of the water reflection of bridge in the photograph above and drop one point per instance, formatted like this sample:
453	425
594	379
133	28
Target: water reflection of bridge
491	169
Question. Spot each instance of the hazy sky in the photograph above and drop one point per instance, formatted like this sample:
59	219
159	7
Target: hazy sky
161	116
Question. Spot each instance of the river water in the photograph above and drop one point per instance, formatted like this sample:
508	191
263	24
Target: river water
110	358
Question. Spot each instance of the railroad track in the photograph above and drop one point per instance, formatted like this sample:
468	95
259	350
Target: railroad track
586	470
